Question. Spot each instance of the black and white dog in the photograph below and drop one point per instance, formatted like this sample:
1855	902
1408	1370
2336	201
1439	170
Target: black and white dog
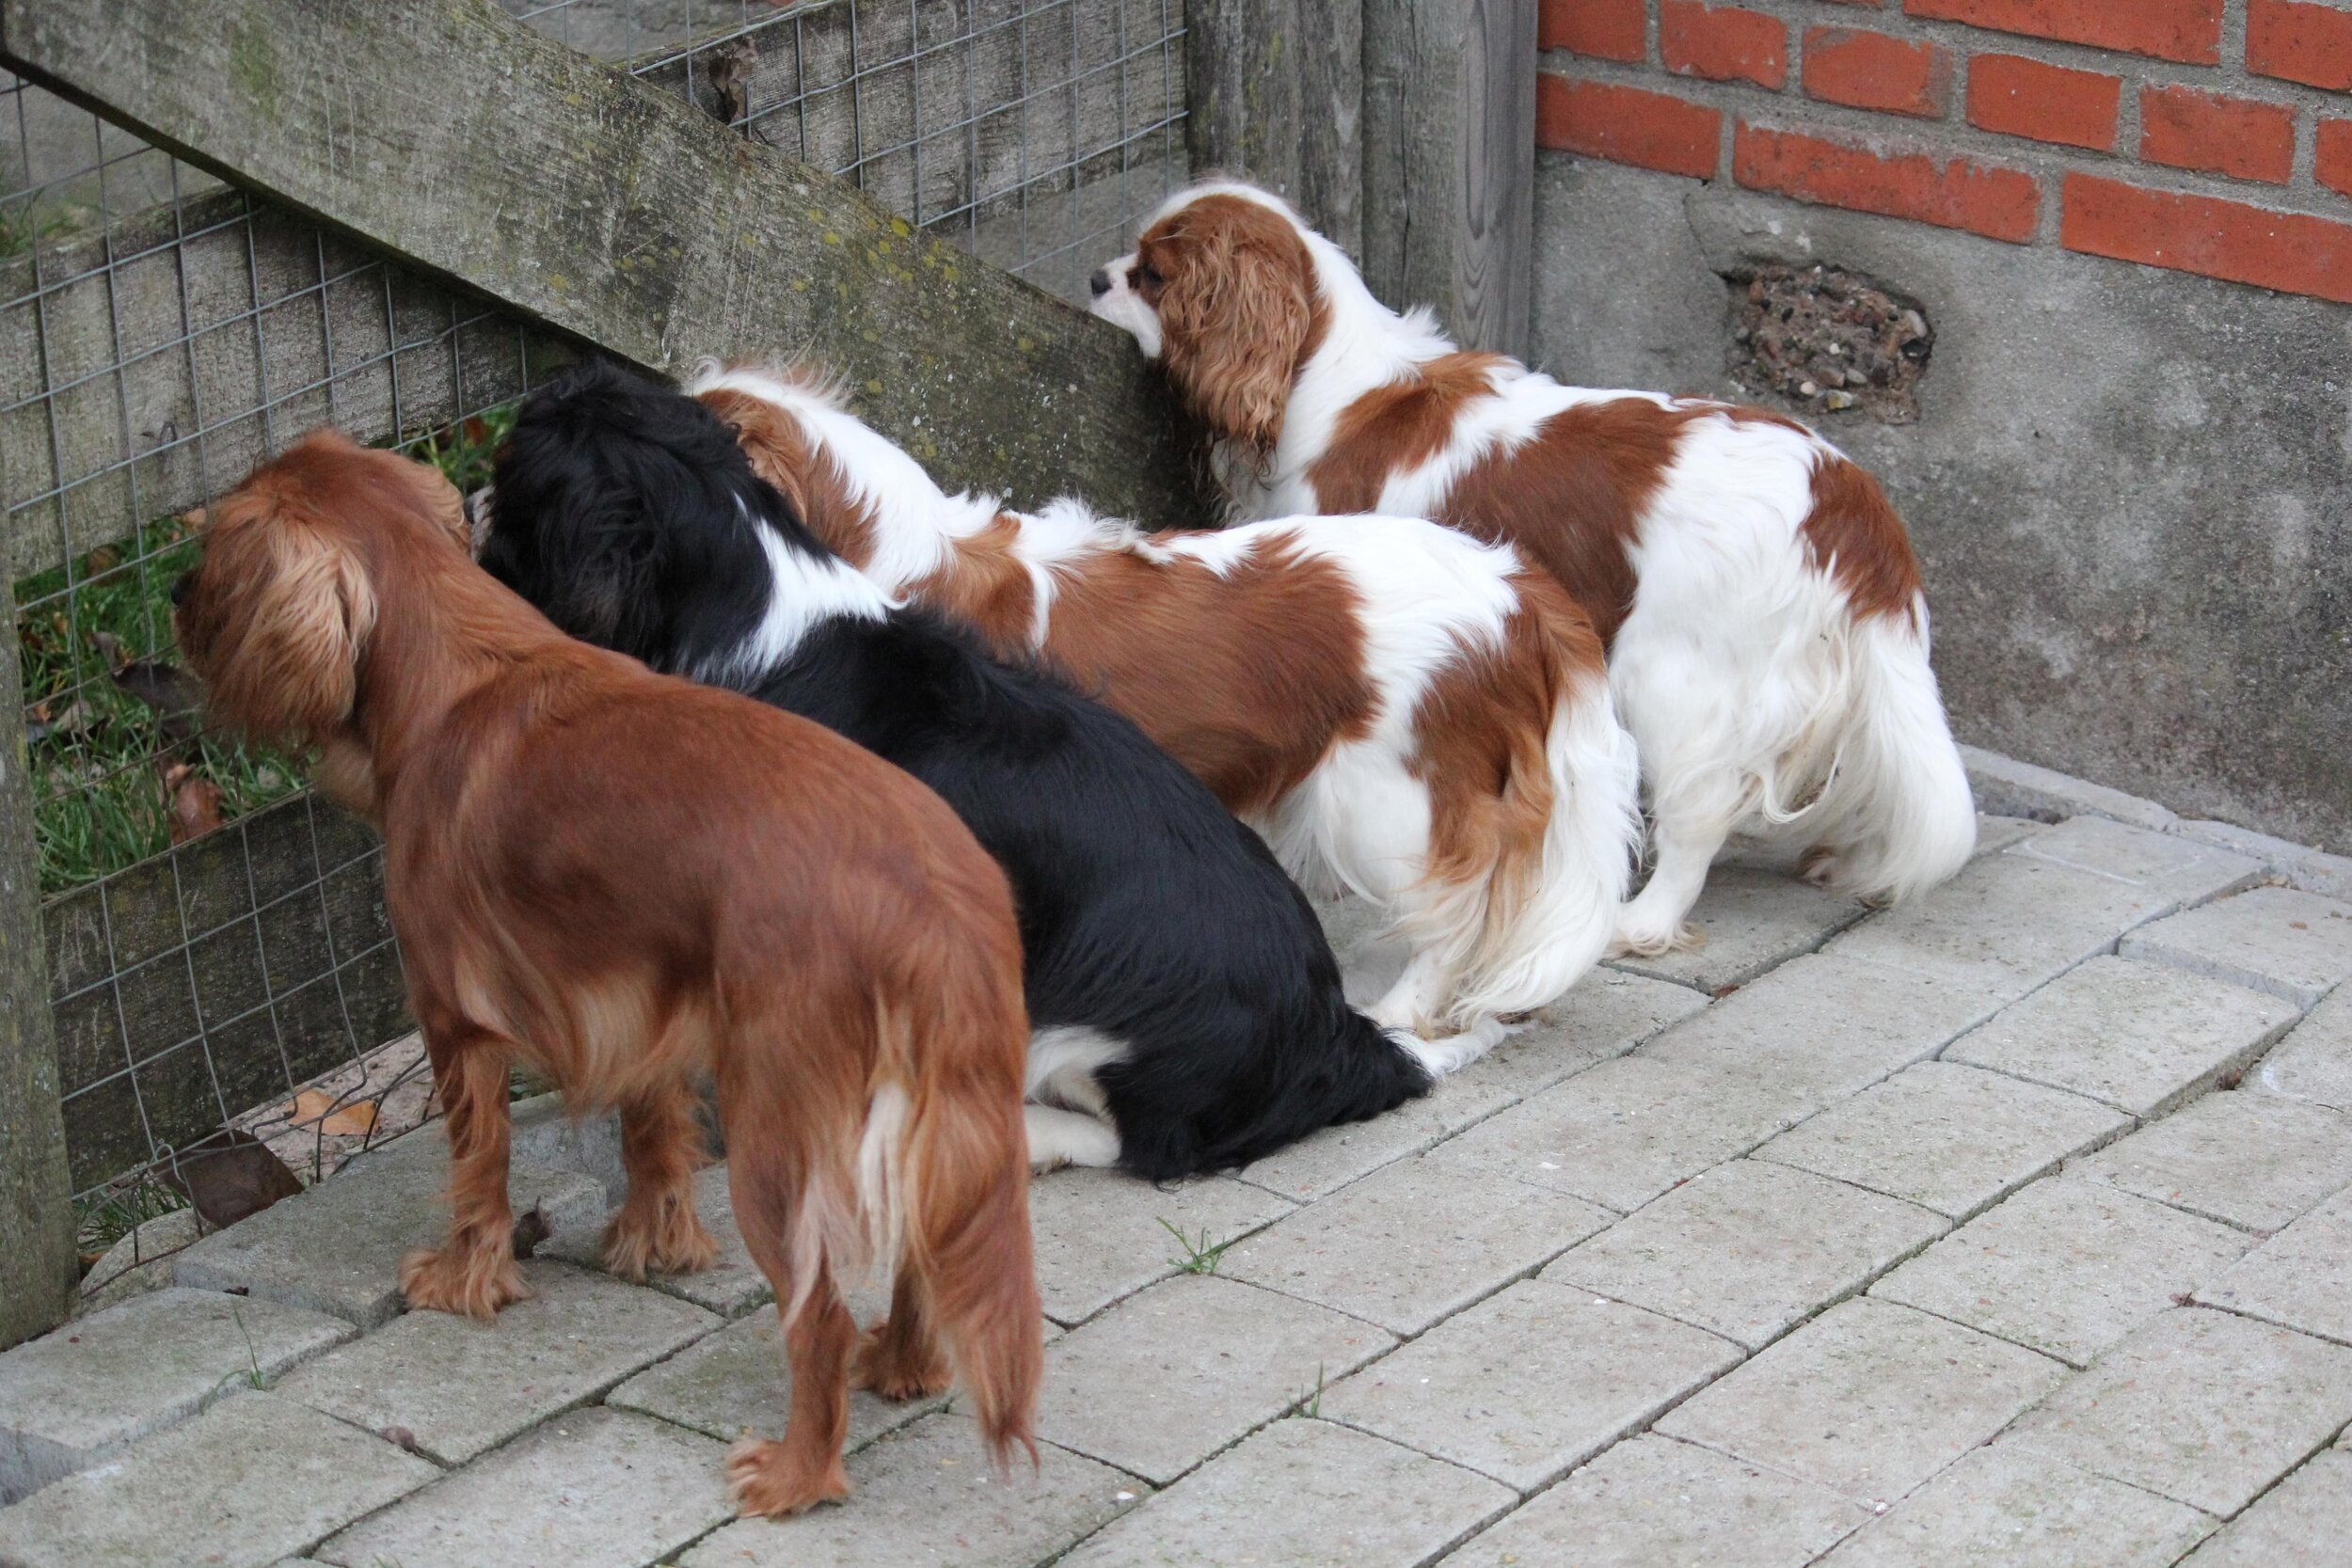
1178	984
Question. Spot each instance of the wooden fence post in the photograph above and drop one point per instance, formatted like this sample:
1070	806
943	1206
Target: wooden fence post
1449	158
37	1266
1275	92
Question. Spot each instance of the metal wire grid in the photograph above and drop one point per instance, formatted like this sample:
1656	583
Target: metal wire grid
1036	133
159	333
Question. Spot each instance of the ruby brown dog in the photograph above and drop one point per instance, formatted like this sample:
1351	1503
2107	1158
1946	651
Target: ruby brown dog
625	881
1398	708
1768	639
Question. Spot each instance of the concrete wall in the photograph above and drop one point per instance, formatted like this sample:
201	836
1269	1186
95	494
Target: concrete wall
2131	488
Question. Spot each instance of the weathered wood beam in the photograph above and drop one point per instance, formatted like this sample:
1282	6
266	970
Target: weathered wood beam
1277	92
1450	163
474	148
37	1266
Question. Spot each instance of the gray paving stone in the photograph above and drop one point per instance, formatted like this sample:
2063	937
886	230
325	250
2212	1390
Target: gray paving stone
1752	919
2162	861
1100	1235
2007	1507
925	1496
2297	864
547	1134
730	1286
142	1261
2298	1523
2020	918
1177	1372
2199	1406
1531	1383
591	1489
2247	1160
76	1396
1823	1027
2006	785
2314	1062
459	1386
733	1384
1625	1131
2204	1407
1606	1014
1868	1399
1996	832
2065	1267
1304	1494
2302	1278
1655	1503
1748	1249
1413	1243
255	1478
1951	1138
336	1247
2140	1037
2294	945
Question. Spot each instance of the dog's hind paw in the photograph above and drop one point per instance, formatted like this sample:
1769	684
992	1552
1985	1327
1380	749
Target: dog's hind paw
895	1369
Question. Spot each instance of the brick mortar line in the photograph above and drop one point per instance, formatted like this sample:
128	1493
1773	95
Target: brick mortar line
1898	135
1962	40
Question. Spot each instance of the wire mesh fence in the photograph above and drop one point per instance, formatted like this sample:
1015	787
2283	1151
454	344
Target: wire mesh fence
216	938
1035	132
215	935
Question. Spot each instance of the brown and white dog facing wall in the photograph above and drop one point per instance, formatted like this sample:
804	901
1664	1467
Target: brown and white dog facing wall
1397	708
1768	638
625	881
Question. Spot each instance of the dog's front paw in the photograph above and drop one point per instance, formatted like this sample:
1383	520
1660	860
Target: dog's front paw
766	1480
472	1282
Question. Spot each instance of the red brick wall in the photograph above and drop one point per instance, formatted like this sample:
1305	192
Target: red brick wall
2211	137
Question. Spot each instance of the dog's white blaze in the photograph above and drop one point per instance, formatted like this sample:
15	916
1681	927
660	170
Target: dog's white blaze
804	591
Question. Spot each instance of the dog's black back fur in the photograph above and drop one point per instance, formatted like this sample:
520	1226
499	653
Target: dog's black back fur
628	514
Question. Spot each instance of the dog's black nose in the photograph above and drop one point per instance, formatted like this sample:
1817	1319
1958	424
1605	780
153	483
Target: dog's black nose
1100	282
179	588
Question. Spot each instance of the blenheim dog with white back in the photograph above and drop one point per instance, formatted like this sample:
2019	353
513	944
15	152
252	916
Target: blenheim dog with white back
627	881
1768	638
1400	709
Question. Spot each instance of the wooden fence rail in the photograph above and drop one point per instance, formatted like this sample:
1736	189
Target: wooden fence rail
484	153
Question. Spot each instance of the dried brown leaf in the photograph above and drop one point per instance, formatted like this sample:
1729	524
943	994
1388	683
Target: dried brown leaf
229	1175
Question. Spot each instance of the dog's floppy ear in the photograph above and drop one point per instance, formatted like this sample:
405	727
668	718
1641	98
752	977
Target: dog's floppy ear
1234	315
276	620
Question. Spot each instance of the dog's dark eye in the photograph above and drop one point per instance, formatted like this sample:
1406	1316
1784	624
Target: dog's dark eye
1144	278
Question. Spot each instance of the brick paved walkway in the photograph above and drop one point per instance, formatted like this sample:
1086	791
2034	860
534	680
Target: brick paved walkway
2013	1227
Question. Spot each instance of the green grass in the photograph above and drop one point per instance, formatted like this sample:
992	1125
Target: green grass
116	1209
1201	1256
98	752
